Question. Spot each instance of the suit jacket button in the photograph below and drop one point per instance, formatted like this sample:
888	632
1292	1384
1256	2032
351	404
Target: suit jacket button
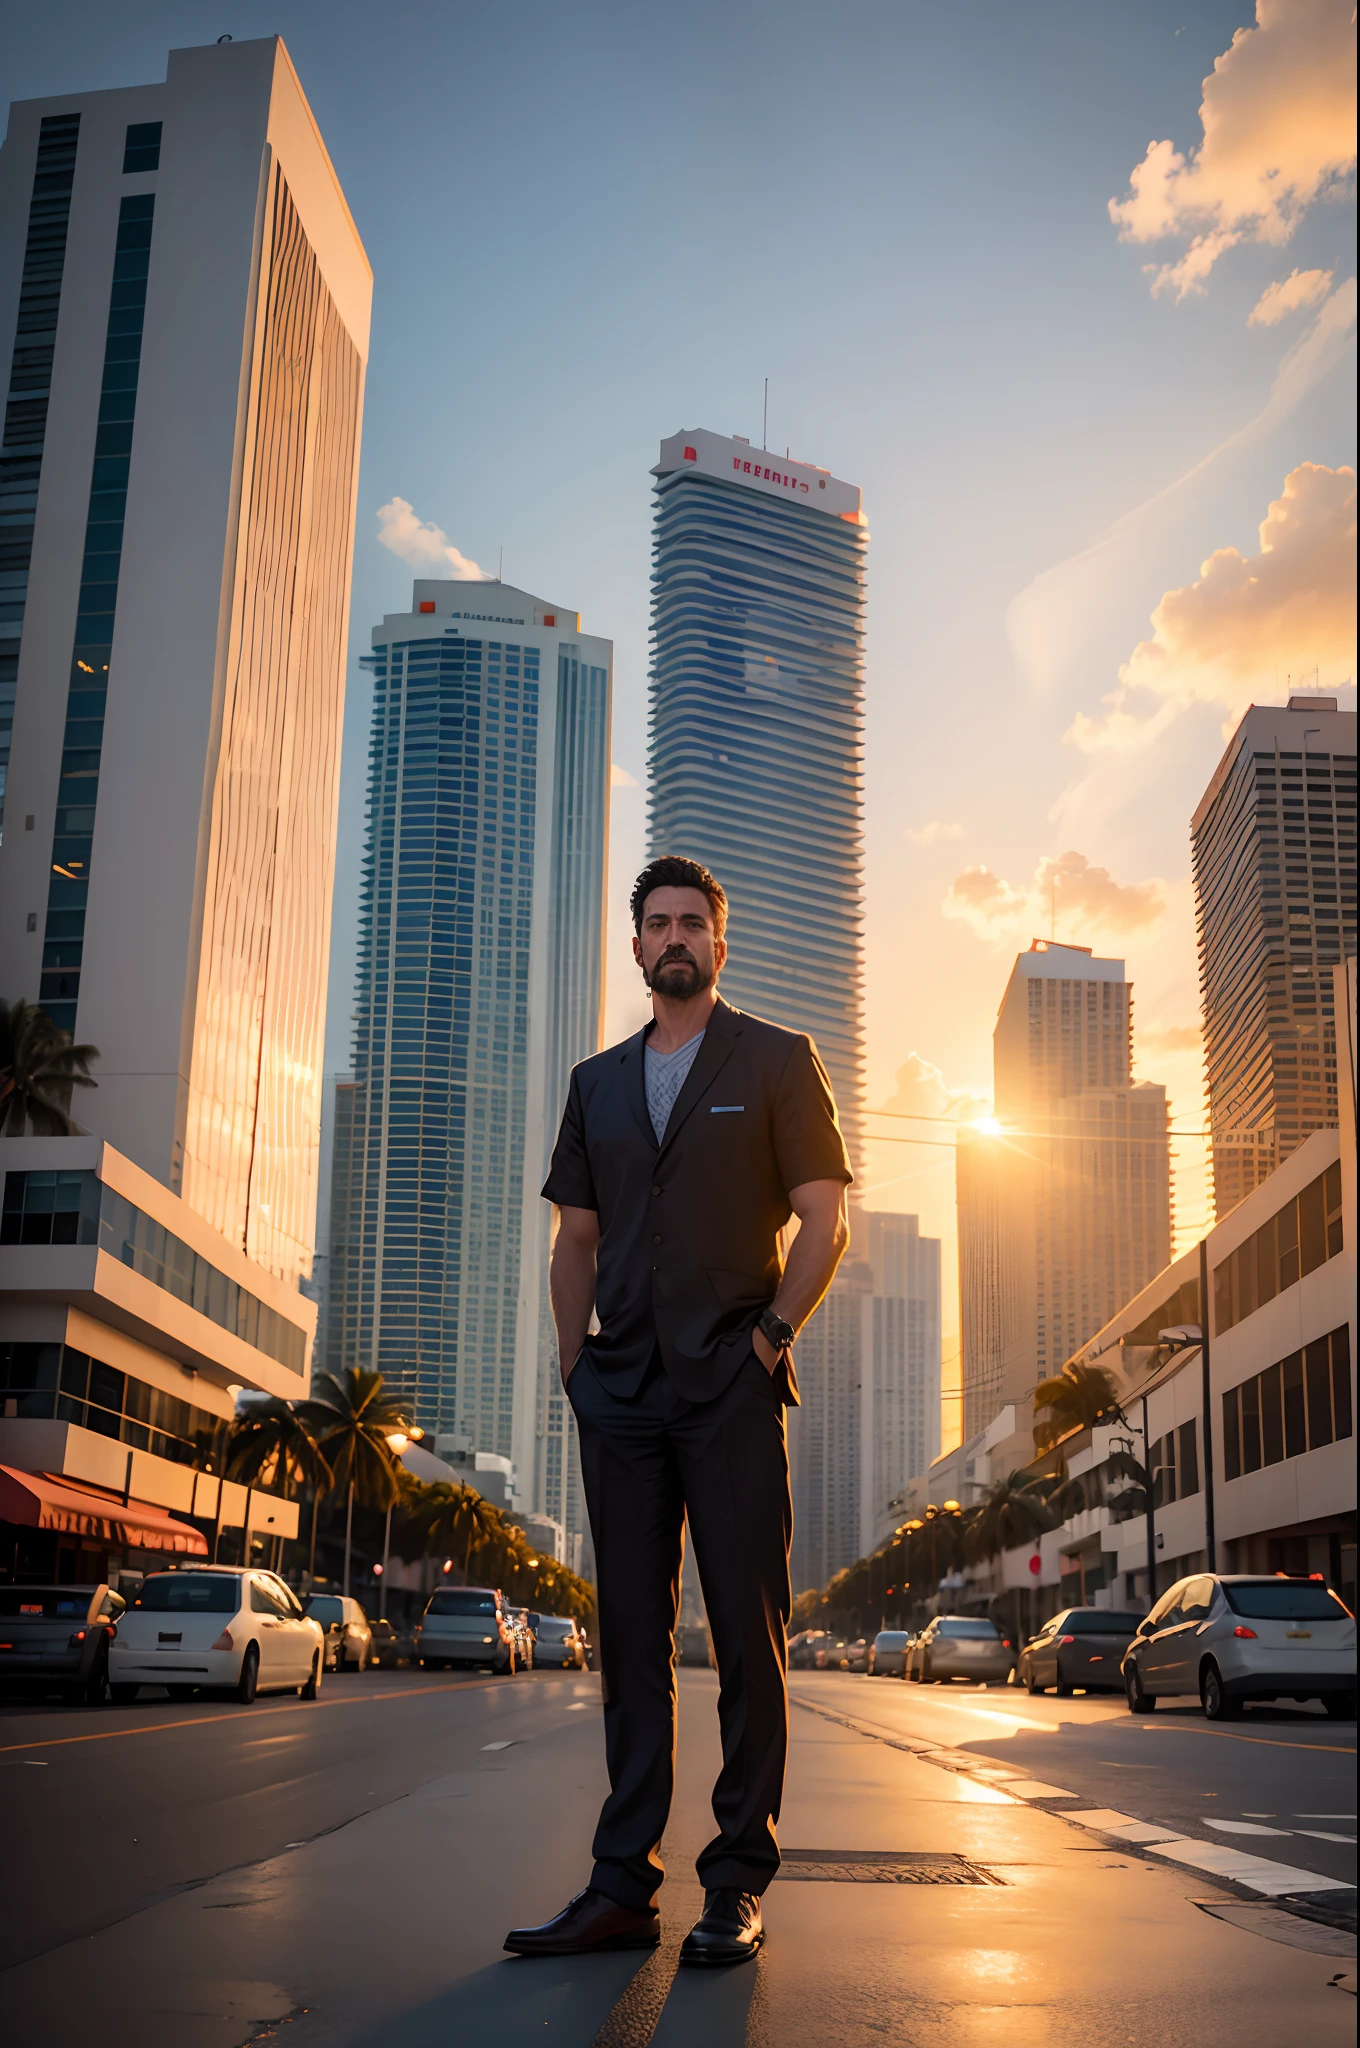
656	1191
656	1240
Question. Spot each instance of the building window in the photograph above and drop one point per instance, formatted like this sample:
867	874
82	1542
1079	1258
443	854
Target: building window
142	149
50	1208
1298	1405
75	1208
1296	1241
47	1382
1174	1461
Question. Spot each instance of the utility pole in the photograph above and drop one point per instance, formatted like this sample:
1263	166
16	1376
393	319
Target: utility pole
1210	1535
1151	1526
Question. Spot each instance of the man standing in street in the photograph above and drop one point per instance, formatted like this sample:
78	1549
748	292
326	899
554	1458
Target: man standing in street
683	1154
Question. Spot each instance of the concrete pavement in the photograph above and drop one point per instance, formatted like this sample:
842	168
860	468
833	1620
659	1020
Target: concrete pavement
385	1932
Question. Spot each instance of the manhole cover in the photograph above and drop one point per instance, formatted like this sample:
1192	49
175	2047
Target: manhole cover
880	1866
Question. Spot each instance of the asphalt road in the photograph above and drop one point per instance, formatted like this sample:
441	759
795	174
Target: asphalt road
118	1807
1280	1783
341	1874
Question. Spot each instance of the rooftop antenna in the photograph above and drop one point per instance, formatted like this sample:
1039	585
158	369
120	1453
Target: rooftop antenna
765	423
500	564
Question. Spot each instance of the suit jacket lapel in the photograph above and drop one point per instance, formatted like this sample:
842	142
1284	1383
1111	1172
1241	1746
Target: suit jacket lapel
712	1056
635	1083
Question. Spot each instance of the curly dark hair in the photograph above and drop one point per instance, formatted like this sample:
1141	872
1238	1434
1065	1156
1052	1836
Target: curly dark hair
674	871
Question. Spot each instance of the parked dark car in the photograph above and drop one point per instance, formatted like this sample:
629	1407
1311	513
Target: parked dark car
1081	1646
59	1636
830	1654
388	1645
803	1648
857	1655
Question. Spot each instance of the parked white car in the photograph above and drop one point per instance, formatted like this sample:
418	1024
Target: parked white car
1237	1638
214	1629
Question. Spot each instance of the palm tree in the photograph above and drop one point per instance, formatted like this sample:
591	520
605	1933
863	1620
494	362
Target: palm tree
272	1436
448	1517
1076	1398
39	1067
1016	1510
354	1422
1134	1498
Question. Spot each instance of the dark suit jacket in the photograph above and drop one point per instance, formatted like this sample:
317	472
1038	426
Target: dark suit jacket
689	1253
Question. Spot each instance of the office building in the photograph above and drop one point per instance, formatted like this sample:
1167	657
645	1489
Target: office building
185	316
1273	847
901	1426
184	311
480	976
869	1376
1065	1211
757	728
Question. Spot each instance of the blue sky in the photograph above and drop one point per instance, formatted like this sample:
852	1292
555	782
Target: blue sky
593	225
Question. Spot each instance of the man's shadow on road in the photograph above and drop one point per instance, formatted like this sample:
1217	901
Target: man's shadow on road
617	2000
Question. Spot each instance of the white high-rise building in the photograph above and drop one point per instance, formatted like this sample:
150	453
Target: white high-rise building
184	306
481	963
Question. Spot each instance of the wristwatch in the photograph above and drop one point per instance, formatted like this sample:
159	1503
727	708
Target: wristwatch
775	1330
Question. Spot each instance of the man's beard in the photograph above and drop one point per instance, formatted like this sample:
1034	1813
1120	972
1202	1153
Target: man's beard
679	978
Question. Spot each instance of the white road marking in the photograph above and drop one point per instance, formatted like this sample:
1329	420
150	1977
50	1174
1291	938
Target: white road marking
1325	1816
1032	1788
1272	1880
1245	1827
498	1745
1320	1835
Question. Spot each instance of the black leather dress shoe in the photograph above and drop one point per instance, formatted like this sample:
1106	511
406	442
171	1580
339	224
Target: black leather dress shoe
589	1921
728	1931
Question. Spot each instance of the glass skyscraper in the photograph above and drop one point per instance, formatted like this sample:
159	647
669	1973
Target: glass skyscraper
480	974
757	728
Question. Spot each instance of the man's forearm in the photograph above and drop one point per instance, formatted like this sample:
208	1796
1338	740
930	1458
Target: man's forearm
813	1258
572	1288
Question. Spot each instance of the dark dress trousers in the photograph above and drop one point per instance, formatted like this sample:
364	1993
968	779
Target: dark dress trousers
677	1416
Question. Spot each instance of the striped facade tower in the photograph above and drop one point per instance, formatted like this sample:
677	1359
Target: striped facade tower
757	729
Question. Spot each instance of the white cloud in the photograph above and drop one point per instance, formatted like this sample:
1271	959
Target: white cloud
1299	291
1278	122
425	546
921	1090
1249	622
928	835
1066	893
619	778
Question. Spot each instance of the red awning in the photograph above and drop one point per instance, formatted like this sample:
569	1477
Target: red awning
35	1501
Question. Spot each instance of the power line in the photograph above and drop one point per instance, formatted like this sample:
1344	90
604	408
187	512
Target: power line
911	1116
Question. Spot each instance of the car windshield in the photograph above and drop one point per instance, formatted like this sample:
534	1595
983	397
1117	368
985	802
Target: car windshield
890	1639
326	1608
971	1631
459	1601
35	1602
550	1626
1101	1624
1283	1600
190	1593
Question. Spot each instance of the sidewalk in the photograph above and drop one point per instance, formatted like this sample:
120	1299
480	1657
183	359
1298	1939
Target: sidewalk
387	1933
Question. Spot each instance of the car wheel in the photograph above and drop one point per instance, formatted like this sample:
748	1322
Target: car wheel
312	1687
1029	1682
1063	1690
1340	1705
123	1695
1140	1702
96	1690
1218	1703
248	1683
